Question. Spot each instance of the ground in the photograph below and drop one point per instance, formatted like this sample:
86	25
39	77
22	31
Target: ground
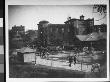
56	66
41	71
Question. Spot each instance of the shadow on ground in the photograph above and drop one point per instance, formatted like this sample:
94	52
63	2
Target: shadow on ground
41	71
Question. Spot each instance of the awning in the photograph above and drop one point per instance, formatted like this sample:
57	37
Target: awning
92	37
95	36
82	37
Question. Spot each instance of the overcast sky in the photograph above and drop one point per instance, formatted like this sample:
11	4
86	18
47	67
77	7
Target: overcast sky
29	16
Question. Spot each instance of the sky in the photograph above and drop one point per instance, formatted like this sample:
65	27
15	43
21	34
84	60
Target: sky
30	15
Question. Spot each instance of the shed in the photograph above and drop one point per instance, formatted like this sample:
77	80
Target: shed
28	54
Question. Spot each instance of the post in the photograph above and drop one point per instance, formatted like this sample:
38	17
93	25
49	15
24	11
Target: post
87	65
81	63
51	62
35	58
81	66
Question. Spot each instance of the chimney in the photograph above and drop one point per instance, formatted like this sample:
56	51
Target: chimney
69	18
81	17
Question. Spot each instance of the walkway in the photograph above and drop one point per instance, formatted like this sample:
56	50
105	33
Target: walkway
54	62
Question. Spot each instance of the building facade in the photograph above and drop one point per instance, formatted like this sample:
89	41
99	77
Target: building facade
64	33
16	36
80	26
18	29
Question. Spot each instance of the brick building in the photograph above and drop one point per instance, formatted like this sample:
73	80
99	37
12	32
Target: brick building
80	26
64	33
51	33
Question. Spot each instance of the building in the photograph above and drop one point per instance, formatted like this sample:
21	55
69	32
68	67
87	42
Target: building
27	55
64	33
51	33
100	28
80	26
18	29
16	36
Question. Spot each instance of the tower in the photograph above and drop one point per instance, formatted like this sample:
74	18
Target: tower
81	17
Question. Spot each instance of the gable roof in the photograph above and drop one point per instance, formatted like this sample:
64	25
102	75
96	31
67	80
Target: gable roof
26	49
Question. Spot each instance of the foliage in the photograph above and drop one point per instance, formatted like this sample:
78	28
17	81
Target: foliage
56	42
13	43
101	10
28	37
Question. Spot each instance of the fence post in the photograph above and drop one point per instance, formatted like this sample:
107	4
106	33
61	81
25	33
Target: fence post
35	58
51	62
81	66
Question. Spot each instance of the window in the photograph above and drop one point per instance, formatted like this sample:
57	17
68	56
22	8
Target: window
62	30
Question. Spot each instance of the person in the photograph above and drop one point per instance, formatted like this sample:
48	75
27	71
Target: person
36	50
43	54
47	55
74	59
92	50
95	66
40	51
70	60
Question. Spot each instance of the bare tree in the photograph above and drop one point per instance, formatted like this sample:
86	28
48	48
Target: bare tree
101	10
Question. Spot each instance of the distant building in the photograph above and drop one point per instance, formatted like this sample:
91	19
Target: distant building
64	33
51	33
17	40
18	29
80	26
16	36
100	28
